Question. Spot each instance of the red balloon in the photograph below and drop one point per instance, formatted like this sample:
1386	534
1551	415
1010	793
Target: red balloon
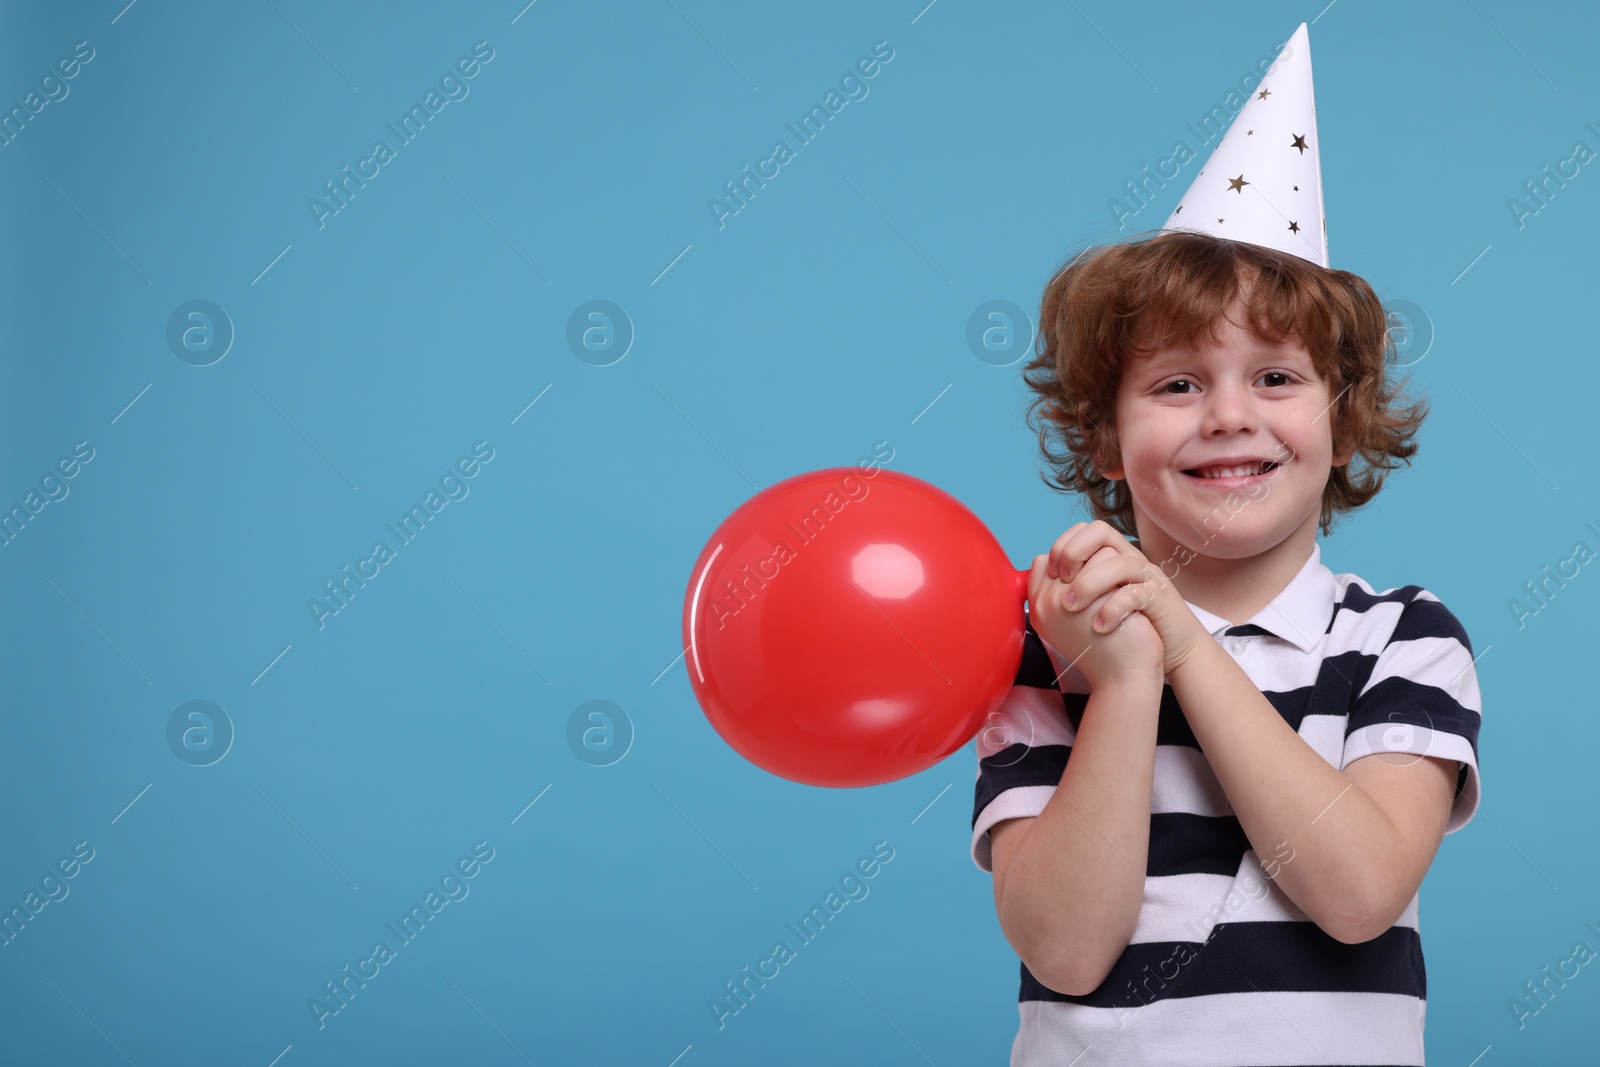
847	627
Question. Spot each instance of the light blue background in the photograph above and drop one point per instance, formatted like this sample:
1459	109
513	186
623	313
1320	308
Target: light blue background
822	318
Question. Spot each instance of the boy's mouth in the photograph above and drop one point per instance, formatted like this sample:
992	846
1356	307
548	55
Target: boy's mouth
1227	477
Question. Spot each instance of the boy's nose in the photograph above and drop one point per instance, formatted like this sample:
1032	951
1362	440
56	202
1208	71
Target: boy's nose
1230	407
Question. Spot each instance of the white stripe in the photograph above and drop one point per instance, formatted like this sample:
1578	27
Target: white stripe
1185	782
1441	662
1028	716
1225	1030
1325	735
1404	737
1064	669
1364	631
1024	802
1187	907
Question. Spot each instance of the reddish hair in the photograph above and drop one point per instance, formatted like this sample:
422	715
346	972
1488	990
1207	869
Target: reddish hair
1153	291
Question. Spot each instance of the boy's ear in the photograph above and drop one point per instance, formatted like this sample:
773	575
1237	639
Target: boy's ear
1341	457
1105	457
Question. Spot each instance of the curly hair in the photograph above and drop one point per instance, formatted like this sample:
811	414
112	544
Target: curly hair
1156	289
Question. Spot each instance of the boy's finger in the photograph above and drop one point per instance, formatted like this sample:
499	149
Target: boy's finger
1110	611
1037	577
1085	550
1062	560
1082	543
1053	567
1106	572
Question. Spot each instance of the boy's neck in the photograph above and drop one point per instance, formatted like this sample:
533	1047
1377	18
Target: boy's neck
1232	589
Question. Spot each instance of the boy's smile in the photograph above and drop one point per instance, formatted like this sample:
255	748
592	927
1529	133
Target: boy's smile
1243	422
1234	472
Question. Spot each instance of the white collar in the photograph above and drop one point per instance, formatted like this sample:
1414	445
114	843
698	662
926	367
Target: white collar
1300	614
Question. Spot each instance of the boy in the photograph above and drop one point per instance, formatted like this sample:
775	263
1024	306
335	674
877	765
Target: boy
1226	868
1223	770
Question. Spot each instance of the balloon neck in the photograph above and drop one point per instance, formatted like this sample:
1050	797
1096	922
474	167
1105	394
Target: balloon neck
1022	584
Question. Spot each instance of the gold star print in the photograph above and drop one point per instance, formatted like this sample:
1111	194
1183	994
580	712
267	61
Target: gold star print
1179	211
1249	133
1237	184
1294	227
1219	220
1300	143
1297	188
1263	94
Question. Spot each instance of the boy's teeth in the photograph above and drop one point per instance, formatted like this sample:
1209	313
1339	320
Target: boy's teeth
1234	472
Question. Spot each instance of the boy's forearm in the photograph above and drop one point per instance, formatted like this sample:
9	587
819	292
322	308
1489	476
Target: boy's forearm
1072	891
1345	851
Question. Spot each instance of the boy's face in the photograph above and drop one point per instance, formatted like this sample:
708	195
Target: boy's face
1181	409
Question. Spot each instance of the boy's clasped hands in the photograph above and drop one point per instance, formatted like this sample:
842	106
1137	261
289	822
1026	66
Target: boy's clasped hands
1098	601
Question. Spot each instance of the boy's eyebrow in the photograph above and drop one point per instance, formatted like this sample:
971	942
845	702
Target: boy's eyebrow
1292	355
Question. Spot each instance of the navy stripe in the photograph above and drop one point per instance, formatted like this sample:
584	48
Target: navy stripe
1429	618
1359	601
1172	725
1035	669
1329	695
1249	629
1246	957
1016	766
1182	842
1417	701
1337	679
1402	701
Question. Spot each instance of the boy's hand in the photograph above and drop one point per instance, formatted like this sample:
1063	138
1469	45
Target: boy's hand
1134	648
1121	585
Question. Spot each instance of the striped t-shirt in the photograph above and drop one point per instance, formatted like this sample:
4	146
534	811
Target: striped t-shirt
1223	968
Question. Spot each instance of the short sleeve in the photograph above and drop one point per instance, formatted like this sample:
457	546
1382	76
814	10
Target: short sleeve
1024	744
1422	696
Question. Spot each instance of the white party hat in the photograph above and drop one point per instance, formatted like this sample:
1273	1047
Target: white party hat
1263	183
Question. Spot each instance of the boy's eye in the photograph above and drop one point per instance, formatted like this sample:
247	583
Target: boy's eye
1286	380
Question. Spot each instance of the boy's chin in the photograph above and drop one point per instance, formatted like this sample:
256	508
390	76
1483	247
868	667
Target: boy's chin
1236	544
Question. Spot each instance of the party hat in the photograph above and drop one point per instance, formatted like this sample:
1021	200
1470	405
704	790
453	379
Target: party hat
1263	183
